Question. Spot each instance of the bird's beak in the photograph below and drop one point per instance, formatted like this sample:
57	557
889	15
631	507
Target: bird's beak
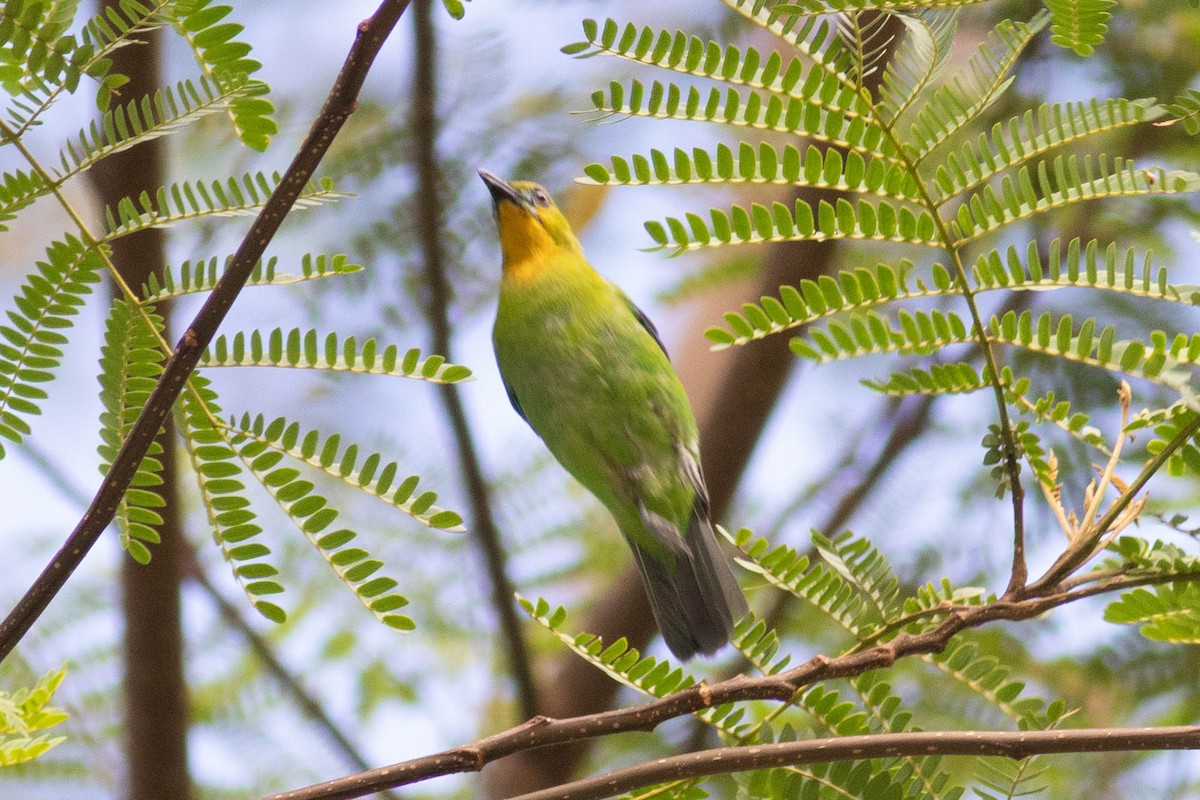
500	190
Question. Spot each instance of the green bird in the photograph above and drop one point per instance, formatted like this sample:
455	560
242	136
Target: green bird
586	369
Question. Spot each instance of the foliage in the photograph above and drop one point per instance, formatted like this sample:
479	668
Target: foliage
875	142
851	585
25	712
979	264
41	62
1185	109
899	168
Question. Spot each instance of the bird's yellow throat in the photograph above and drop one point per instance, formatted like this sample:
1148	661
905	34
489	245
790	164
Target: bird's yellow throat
527	246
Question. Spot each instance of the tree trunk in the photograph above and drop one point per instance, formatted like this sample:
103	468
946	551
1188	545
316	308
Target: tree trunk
156	708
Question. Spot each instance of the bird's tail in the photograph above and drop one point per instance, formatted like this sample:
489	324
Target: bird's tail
697	600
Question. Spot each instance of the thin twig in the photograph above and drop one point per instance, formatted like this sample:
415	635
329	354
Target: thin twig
1008	744
309	705
340	103
1081	551
485	532
782	687
230	614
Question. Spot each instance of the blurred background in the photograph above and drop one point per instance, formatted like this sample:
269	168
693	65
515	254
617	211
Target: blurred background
787	448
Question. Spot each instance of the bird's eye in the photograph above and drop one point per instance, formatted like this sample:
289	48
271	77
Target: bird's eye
540	197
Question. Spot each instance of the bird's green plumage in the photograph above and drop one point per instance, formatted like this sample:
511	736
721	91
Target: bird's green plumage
586	370
597	387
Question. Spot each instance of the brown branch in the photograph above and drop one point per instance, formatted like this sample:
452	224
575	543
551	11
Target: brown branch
1008	744
543	731
485	532
339	104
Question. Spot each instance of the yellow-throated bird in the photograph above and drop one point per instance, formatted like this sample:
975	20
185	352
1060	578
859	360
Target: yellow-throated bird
585	368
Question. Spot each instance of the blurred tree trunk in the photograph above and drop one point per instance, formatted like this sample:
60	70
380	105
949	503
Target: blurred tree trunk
156	709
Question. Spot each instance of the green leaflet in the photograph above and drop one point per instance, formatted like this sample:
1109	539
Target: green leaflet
894	166
32	341
213	40
25	712
307	350
195	199
130	364
191	277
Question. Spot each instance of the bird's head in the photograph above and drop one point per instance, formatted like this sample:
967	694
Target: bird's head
532	229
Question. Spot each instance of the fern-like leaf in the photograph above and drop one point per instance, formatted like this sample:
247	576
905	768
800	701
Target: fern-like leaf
918	333
951	106
916	62
828	169
224	59
1079	25
618	660
31	345
152	116
987	677
677	52
18	190
1091	265
1185	109
1080	264
1166	613
809	301
372	475
25	712
262	447
1050	408
759	644
1027	136
306	350
833	715
192	277
747	108
196	199
130	363
222	480
1063	182
1157	362
41	61
624	664
953	378
852	585
886	712
1168	424
841	219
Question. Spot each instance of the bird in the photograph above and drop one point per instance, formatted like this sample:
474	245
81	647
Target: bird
586	369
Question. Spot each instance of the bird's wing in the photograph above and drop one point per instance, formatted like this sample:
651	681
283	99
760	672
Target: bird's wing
647	324
512	398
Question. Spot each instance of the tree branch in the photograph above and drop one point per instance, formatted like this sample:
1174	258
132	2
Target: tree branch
485	532
542	731
339	104
1008	744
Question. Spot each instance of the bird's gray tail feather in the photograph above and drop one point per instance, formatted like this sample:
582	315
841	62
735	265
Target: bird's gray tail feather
697	600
